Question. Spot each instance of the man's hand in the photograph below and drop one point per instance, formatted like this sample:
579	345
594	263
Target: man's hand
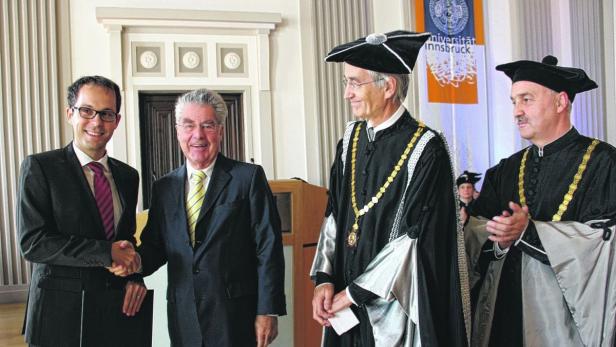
266	328
341	301
133	298
322	303
125	260
507	228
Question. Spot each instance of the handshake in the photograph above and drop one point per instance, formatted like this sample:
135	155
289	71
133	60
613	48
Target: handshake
125	260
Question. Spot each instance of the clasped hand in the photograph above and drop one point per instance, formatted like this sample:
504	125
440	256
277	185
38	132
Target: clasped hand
507	228
125	260
325	304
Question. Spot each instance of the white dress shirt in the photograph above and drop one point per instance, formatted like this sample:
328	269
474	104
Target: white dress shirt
386	124
208	175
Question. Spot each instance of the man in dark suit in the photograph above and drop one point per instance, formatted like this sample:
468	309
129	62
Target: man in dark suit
215	222
76	219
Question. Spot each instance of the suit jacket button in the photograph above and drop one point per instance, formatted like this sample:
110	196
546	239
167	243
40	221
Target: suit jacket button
195	270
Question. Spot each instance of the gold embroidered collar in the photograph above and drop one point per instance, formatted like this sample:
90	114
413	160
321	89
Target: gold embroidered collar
353	233
572	187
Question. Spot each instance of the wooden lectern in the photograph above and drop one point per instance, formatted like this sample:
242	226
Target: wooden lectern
301	207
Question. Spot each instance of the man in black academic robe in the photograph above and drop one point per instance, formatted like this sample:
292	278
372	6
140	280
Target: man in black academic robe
542	277
398	268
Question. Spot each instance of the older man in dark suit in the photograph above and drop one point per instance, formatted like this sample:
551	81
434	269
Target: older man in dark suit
215	223
76	219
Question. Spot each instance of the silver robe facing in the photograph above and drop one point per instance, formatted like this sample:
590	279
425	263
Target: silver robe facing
571	301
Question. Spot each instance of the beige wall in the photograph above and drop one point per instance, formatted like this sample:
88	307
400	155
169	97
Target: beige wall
293	113
294	119
90	55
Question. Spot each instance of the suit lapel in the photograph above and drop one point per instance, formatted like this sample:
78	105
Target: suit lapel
84	188
121	188
119	181
178	192
219	182
220	178
177	202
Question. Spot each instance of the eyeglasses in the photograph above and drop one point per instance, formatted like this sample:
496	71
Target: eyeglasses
90	113
354	84
208	127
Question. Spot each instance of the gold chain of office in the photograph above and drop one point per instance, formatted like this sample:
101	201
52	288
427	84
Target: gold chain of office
572	187
353	233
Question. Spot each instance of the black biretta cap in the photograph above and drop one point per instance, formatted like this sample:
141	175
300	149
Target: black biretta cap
468	177
558	78
394	52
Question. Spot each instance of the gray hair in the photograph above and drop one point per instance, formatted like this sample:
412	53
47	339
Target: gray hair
202	97
402	82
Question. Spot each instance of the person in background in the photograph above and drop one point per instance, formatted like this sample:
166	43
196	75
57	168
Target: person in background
466	187
76	219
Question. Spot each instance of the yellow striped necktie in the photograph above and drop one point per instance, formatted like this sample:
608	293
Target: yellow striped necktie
194	202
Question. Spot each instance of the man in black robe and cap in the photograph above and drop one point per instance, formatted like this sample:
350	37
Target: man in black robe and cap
466	187
390	243
542	250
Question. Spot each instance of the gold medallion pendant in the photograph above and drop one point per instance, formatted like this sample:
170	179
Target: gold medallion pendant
352	238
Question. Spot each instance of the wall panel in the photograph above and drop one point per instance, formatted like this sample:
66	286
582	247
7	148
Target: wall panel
337	22
29	116
587	39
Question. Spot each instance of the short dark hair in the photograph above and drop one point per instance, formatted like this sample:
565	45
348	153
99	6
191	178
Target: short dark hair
73	89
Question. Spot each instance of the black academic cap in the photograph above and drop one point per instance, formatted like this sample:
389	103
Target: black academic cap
468	177
558	78
394	52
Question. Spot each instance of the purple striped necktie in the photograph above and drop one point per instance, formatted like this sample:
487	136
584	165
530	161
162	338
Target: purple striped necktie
104	199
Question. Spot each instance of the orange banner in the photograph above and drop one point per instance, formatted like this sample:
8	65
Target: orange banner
457	32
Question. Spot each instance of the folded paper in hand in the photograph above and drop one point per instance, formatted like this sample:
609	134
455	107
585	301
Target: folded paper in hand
343	320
